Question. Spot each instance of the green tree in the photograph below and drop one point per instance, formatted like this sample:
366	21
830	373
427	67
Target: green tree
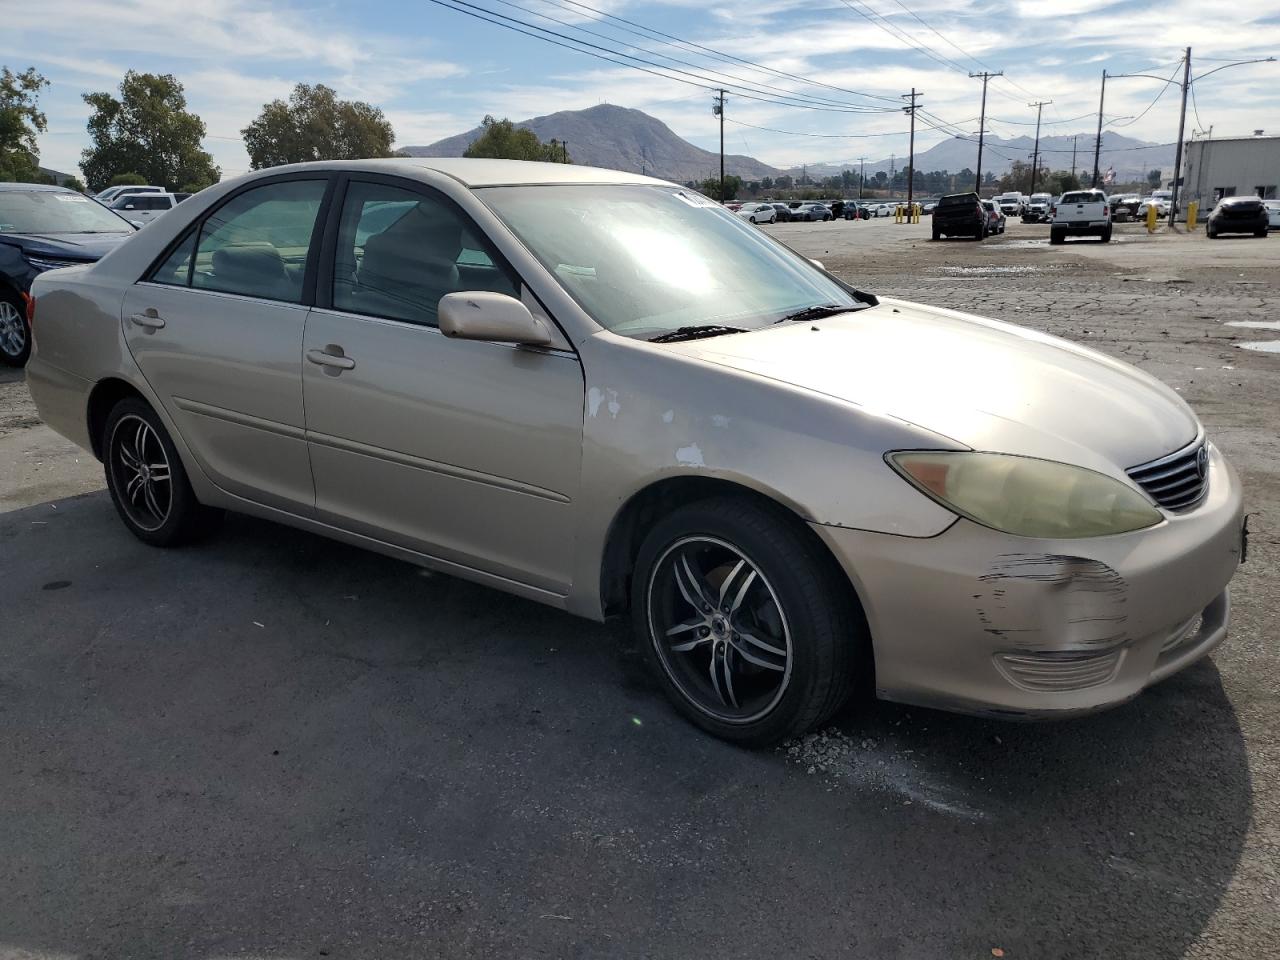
73	183
20	122
1060	181
503	140
316	125
711	187
128	180
147	131
1153	178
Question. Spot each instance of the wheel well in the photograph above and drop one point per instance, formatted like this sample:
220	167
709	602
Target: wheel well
644	509
105	395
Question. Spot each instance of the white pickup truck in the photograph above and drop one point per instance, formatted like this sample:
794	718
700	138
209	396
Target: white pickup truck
1081	213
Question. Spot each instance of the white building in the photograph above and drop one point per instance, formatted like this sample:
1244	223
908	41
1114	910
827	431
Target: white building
1218	167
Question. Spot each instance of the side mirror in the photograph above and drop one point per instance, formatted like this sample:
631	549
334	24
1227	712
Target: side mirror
495	317
128	206
818	263
137	224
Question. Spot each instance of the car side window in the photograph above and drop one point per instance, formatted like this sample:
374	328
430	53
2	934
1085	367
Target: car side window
256	243
175	269
398	252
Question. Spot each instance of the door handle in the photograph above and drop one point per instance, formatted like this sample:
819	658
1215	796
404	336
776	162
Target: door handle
323	358
149	320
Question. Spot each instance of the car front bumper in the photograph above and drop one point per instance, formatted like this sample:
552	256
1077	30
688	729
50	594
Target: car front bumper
977	621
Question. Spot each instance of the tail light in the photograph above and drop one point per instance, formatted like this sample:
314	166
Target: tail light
31	309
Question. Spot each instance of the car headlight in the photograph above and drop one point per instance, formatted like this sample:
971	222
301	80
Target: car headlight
49	263
1025	496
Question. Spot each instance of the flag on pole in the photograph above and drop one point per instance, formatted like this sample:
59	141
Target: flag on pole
1109	176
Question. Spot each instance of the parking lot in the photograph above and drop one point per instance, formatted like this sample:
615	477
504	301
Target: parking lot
273	745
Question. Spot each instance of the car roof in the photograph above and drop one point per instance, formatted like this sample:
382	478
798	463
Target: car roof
482	172
43	187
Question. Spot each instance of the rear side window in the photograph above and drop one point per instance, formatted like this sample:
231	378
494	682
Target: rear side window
399	251
256	243
175	271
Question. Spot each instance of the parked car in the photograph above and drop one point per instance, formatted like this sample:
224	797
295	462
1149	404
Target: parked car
996	219
1081	213
1160	203
970	541
960	215
111	194
928	206
141	208
837	209
882	209
784	212
1038	209
1238	215
1124	206
1011	204
1273	214
758	212
810	211
42	228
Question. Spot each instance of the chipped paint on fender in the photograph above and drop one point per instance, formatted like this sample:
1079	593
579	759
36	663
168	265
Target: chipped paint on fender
595	397
690	456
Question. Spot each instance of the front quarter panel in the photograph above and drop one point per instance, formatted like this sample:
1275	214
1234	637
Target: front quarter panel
654	414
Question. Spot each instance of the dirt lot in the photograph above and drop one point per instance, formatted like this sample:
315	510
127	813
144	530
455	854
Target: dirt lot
276	746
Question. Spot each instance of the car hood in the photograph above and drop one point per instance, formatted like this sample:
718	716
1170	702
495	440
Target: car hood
981	383
70	246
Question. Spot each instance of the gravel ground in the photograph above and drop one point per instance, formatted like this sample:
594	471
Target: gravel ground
277	746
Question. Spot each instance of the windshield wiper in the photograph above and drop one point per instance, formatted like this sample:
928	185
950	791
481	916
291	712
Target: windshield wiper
695	333
820	311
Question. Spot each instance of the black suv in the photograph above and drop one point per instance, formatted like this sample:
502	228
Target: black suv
41	228
960	215
1237	215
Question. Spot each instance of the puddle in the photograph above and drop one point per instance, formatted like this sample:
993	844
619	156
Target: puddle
1264	346
1023	244
988	271
1254	324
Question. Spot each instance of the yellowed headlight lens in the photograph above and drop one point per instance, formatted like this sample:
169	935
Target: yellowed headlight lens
1025	496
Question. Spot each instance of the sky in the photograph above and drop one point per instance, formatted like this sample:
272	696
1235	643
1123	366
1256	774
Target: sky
835	68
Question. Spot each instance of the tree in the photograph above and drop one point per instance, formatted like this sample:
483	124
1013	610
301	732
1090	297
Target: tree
148	131
711	187
503	140
766	183
1060	181
316	125
1153	177
20	121
128	180
73	183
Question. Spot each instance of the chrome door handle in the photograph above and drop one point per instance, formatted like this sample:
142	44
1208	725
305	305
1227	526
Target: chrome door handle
323	359
148	320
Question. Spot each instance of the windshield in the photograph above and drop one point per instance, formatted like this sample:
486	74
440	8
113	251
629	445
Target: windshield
55	211
1083	196
646	260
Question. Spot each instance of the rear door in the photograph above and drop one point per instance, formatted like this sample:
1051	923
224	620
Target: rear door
467	451
216	328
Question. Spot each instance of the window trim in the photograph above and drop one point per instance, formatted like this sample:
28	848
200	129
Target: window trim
311	267
329	245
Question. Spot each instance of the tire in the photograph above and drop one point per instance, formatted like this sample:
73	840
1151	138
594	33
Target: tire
1260	233
1056	237
15	338
806	636
936	235
1211	234
1105	235
155	516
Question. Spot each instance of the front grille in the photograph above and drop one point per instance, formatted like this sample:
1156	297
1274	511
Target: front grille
1178	480
1056	672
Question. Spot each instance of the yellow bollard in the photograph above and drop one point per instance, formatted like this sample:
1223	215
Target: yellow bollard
897	214
1152	215
1193	211
916	217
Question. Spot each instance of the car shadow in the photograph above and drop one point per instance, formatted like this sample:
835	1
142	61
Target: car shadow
274	744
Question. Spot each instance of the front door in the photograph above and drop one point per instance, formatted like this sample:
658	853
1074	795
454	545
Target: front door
464	450
217	330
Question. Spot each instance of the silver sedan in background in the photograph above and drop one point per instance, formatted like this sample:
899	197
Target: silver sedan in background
606	393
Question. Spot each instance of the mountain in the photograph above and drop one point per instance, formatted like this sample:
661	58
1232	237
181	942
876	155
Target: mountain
620	139
1131	158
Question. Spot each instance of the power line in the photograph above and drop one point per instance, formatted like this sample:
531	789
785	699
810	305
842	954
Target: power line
820	136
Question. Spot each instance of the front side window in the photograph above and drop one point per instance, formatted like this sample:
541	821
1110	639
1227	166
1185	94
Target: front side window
646	260
400	251
256	243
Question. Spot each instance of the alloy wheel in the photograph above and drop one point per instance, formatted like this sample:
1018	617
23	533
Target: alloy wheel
13	329
719	630
141	471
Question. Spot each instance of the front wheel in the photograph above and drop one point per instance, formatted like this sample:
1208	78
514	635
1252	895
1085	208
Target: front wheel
15	339
747	627
147	481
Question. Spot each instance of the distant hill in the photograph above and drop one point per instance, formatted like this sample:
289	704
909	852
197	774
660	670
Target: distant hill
620	139
1131	158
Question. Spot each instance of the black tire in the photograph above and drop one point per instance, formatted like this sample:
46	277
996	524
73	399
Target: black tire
15	338
792	595
937	235
1210	234
1260	233
154	516
1105	235
1056	236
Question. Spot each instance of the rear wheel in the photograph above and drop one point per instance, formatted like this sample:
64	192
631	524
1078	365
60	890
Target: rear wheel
147	481
937	235
1056	236
15	338
1211	233
1105	235
1260	233
744	623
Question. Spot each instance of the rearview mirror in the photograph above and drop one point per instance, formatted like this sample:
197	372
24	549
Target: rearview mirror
495	317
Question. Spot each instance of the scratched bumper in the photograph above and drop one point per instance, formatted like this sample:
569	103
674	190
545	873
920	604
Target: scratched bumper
983	622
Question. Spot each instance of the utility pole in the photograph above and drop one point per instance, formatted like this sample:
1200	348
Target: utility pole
1182	123
564	150
893	170
718	110
1074	138
862	174
911	145
1097	144
982	121
1035	156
